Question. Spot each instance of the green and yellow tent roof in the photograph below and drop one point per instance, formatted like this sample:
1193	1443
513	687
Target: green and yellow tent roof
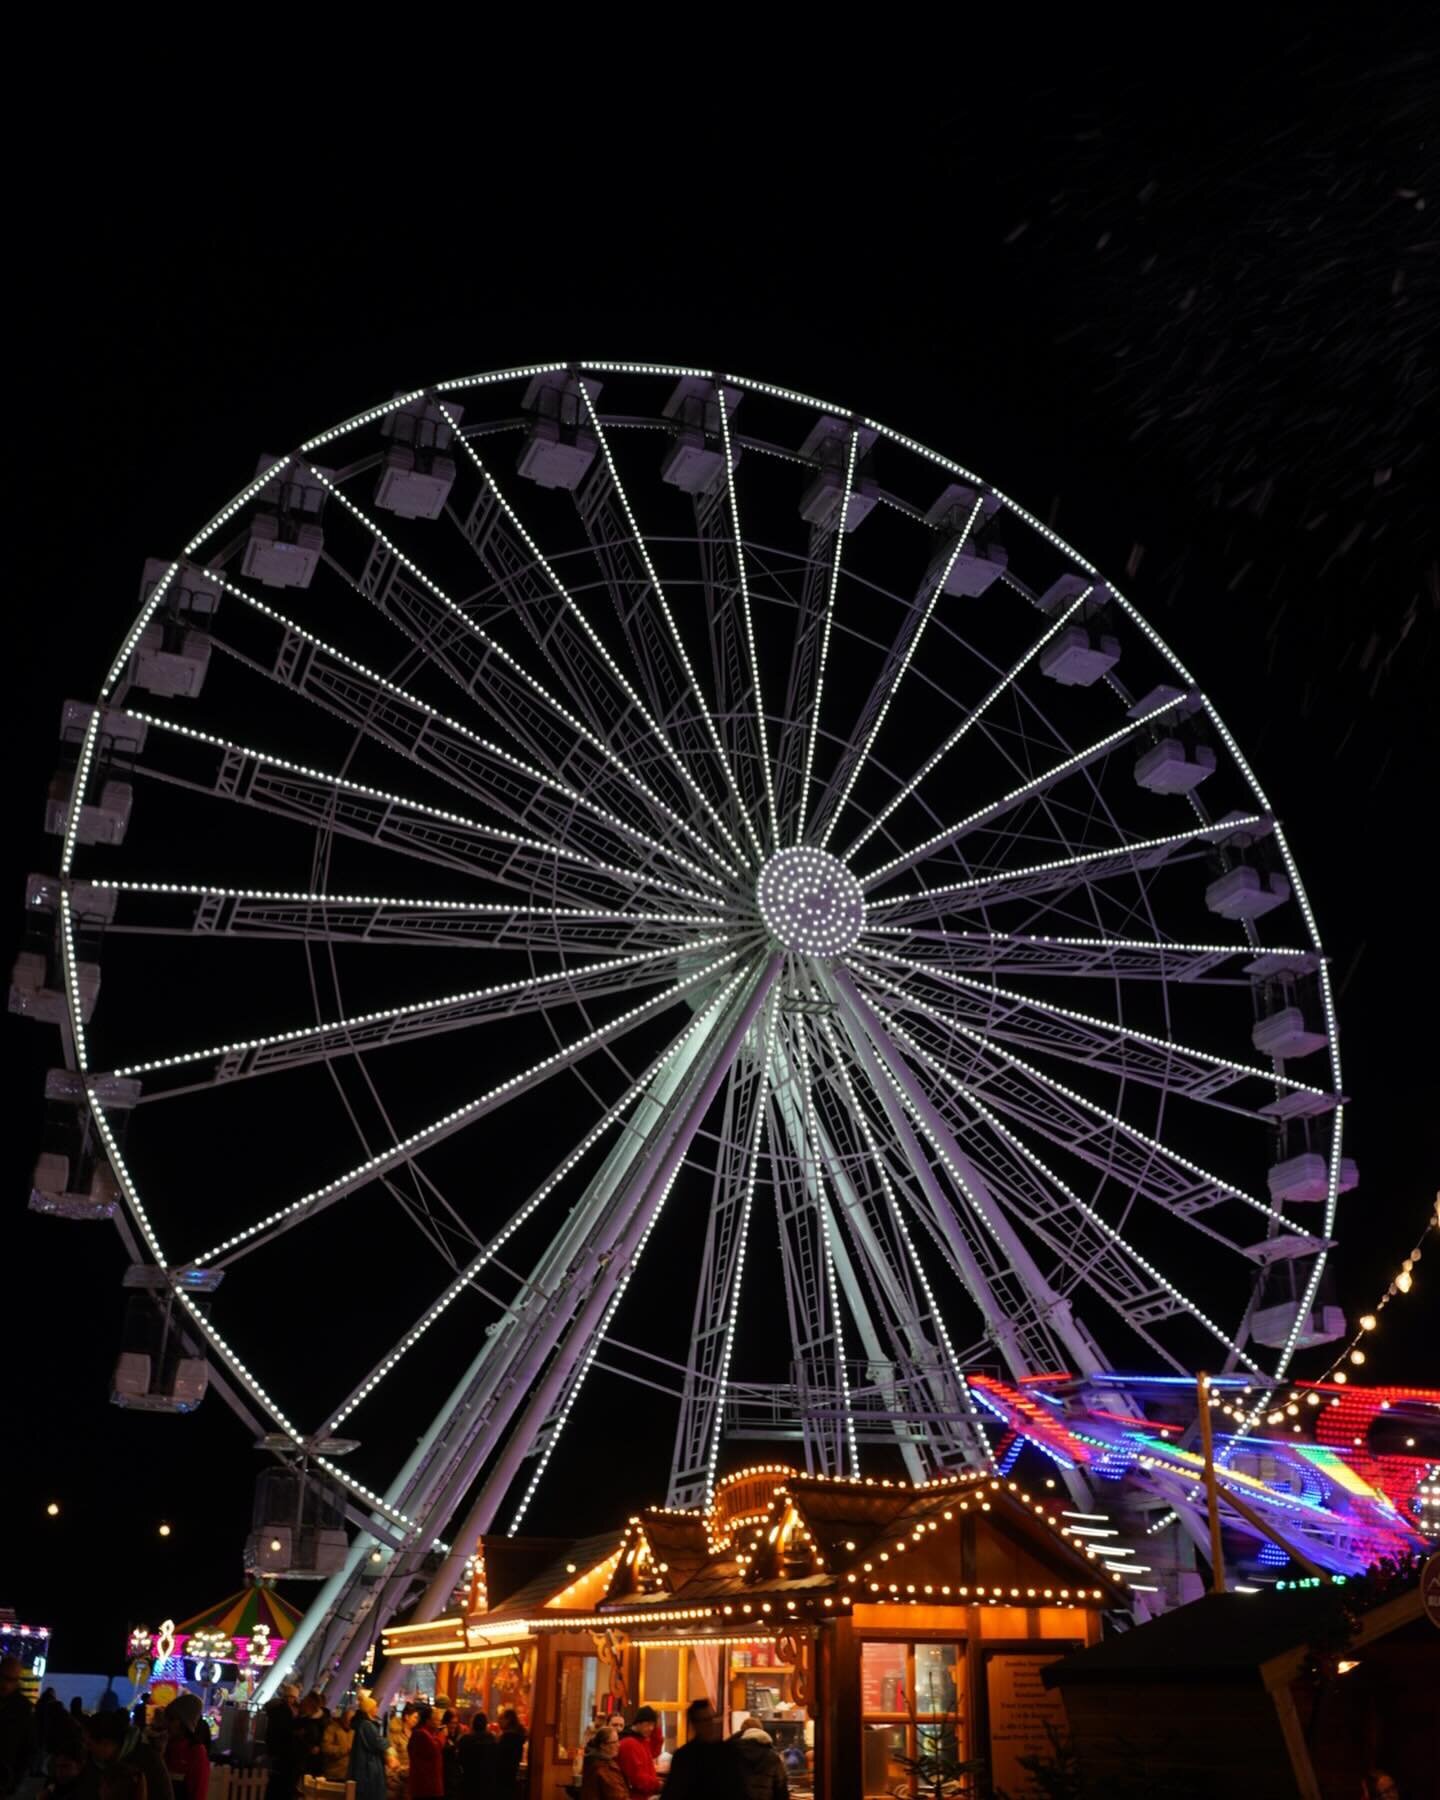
238	1616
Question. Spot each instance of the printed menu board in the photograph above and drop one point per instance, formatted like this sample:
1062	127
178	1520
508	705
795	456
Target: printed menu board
1021	1707
882	1678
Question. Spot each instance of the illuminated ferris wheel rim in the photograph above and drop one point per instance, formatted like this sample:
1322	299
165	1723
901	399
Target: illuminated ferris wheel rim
823	919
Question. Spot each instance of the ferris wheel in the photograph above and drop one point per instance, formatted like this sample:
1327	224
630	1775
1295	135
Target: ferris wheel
613	870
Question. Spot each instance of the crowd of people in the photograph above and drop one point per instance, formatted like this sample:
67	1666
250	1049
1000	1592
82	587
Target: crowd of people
622	1761
51	1752
421	1755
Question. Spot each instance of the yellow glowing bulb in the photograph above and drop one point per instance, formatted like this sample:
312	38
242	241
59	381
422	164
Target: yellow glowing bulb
53	1509
1357	1357
1403	1281
1368	1322
164	1531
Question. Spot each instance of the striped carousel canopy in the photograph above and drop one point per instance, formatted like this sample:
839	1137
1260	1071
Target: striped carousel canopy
238	1616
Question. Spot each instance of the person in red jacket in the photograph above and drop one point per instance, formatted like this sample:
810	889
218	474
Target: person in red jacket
640	1747
186	1756
427	1759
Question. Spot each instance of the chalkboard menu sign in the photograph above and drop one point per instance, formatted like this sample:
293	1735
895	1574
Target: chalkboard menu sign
1021	1708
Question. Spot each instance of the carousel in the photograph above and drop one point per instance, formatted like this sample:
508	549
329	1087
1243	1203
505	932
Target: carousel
221	1654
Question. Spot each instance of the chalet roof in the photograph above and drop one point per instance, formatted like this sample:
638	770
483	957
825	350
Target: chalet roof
1223	1637
970	1537
574	1555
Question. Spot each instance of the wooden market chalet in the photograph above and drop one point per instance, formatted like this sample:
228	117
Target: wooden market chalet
860	1620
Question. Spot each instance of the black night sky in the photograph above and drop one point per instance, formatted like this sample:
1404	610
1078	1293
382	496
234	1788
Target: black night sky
1189	315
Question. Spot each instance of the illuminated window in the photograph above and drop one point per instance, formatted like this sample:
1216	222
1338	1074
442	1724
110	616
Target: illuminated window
663	1685
914	1733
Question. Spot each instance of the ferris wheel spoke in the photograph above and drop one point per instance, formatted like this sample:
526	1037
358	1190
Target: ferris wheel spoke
892	674
1029	1324
1081	957
255	778
1147	1167
550	1408
951	1392
633	591
617	678
814	693
1079	1235
309	1205
973	717
630	1102
195	910
243	1059
1036	787
1066	873
1075	1036
482	770
549	732
757	693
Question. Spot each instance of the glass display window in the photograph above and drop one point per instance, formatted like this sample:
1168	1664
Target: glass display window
913	1718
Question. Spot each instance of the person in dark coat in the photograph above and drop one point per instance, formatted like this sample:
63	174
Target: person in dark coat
509	1752
310	1734
282	1745
114	1742
705	1768
367	1752
17	1727
761	1764
477	1756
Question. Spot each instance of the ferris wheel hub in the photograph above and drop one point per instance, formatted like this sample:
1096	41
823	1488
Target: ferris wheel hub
811	902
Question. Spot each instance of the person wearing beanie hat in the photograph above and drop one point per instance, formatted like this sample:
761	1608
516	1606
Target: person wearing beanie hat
640	1747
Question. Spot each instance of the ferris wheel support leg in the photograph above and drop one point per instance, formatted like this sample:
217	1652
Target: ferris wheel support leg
327	1604
345	1600
651	1182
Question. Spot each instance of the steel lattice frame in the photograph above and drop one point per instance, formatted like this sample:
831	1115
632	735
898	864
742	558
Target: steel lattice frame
977	1048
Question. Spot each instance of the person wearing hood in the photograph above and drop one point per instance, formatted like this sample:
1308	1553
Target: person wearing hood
761	1764
367	1751
186	1757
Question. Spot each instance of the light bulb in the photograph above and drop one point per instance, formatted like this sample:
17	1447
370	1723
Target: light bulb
164	1530
53	1509
1368	1322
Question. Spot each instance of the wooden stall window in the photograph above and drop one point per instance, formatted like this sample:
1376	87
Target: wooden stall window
911	1707
663	1685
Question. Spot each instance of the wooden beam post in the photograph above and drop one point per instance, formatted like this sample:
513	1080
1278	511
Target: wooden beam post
1212	1497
